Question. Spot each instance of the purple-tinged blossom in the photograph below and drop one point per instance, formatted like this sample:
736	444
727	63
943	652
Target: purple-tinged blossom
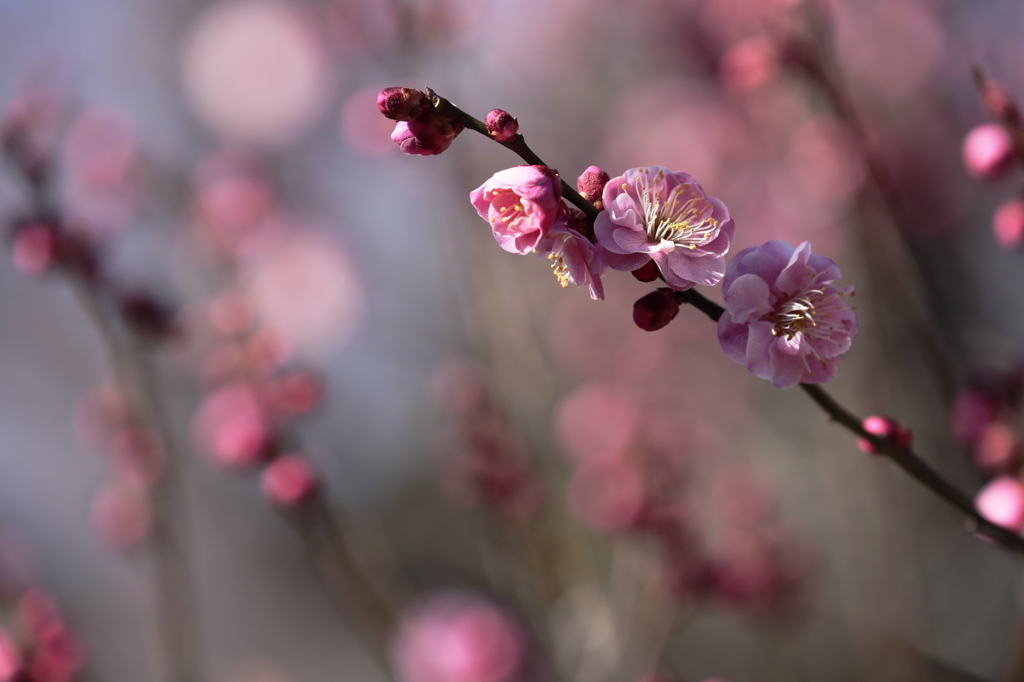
783	319
501	125
522	204
657	214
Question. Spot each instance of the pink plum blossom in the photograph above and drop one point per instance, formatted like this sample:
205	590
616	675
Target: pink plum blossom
522	204
988	151
1002	503
574	259
288	481
458	637
783	318
654	213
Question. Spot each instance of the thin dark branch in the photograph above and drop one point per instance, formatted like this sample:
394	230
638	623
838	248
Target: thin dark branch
517	144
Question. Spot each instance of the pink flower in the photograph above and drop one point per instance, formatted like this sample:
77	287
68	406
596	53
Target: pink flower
988	151
522	204
1002	503
458	637
783	319
574	259
288	481
654	213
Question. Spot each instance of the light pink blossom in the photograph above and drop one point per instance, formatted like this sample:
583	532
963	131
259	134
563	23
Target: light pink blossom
574	259
654	213
1002	503
783	318
522	204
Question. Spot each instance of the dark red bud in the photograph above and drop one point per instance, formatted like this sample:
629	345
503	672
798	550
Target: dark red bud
886	428
148	316
656	309
501	125
648	272
402	104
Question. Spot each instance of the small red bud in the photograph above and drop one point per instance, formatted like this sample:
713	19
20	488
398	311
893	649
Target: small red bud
886	428
288	481
501	125
402	104
988	151
1008	224
656	309
648	272
591	185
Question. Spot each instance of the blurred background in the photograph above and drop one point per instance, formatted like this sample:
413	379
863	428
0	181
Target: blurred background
634	501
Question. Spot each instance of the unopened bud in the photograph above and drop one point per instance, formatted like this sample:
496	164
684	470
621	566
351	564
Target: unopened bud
148	316
591	185
1001	501
428	135
886	428
988	151
288	481
34	247
648	272
402	104
656	309
501	125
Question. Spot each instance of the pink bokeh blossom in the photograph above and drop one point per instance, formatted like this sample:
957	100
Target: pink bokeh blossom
783	319
1002	503
655	213
458	637
522	204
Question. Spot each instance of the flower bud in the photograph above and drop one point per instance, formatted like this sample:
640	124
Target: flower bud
886	428
656	309
148	316
591	185
988	151
34	247
402	104
997	448
501	125
429	134
288	481
648	272
1008	224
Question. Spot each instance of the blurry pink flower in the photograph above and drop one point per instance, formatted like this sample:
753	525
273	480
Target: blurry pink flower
10	658
997	448
100	148
457	637
522	204
655	213
597	420
1001	501
232	426
501	125
783	319
1008	224
748	64
970	414
988	151
34	248
574	259
884	427
288	481
294	392
121	516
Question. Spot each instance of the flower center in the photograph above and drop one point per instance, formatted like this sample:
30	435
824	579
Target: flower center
817	314
560	269
509	205
685	217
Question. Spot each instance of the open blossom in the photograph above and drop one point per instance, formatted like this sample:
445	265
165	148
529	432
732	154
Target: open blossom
574	259
522	204
656	214
783	319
